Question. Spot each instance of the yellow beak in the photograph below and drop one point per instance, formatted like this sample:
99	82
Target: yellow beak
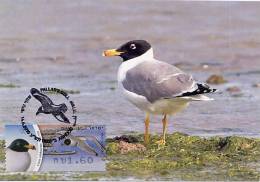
30	146
112	52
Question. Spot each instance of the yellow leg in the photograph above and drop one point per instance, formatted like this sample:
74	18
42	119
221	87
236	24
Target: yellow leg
146	134
165	124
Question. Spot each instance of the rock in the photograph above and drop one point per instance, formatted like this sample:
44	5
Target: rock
125	147
216	79
126	138
205	66
234	89
183	65
257	85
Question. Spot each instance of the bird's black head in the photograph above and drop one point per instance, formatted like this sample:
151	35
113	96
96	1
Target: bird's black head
21	145
129	50
34	91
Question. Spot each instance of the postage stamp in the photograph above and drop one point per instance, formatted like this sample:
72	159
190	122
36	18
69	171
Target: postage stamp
82	150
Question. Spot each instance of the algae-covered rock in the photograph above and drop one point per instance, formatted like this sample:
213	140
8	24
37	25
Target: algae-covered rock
224	156
28	177
127	138
112	148
125	147
256	85
8	85
2	150
119	145
233	89
216	79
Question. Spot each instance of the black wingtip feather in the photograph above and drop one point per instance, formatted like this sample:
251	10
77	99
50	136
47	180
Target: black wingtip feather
202	88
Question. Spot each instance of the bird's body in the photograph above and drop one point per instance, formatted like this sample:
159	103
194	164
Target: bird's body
154	86
80	141
17	161
48	107
149	85
54	109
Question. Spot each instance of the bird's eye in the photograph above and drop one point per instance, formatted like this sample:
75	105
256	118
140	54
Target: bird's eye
70	142
67	142
132	46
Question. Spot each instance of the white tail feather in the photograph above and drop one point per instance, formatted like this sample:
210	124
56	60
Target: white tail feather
198	98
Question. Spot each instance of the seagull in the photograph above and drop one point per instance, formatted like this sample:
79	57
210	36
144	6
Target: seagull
18	158
80	141
48	107
155	87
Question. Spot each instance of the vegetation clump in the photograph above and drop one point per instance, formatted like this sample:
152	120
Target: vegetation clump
2	152
66	91
189	158
8	85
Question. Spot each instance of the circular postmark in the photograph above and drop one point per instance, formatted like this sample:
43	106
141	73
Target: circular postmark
47	106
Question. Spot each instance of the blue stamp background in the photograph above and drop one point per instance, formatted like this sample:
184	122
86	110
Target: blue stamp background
59	156
81	160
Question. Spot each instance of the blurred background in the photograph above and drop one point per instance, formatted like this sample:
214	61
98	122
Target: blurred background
59	44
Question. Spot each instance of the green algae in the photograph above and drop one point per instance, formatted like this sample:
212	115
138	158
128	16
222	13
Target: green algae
9	85
66	91
2	151
187	156
72	91
183	157
27	177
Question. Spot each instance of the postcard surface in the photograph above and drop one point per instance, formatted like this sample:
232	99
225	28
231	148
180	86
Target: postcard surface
173	85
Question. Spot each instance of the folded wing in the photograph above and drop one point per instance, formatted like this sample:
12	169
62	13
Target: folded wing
158	80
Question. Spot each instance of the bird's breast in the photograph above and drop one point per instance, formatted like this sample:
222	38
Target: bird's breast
17	161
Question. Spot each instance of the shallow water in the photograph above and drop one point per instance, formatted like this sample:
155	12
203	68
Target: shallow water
59	44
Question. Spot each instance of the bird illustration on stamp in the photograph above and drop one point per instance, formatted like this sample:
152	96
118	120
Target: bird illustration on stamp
80	141
48	107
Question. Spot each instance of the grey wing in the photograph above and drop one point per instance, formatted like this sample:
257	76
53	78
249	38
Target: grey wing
84	146
95	140
157	80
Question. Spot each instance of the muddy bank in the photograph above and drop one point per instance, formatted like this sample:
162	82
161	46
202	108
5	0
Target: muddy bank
184	157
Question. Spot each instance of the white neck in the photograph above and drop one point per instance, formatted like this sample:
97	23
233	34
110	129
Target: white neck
129	64
146	56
